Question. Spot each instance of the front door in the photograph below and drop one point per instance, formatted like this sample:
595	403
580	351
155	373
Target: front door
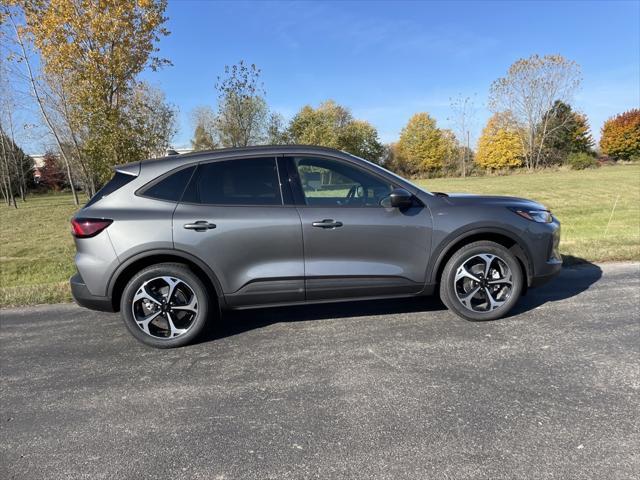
354	246
232	216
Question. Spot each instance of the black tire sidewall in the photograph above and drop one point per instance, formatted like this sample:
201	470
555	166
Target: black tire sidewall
447	287
169	270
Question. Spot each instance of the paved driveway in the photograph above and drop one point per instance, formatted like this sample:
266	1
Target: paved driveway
386	390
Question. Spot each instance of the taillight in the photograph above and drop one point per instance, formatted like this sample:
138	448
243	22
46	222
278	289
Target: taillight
88	227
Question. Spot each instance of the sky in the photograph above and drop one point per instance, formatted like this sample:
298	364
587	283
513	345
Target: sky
388	60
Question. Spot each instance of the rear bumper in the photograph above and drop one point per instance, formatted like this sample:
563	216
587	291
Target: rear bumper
84	298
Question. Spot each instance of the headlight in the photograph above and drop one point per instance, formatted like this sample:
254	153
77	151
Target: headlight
540	216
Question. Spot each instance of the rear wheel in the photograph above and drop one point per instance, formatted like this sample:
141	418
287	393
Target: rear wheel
165	305
481	281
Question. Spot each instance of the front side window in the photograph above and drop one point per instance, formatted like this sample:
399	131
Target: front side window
329	183
251	181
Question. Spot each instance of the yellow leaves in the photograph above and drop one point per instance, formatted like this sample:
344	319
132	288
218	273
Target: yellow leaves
500	145
422	145
621	136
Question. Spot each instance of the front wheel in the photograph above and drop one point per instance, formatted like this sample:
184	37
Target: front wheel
165	305
481	281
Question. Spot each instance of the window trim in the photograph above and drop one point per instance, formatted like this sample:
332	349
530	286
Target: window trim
141	192
298	192
236	159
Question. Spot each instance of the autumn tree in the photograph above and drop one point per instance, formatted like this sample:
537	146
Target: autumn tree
51	175
569	133
423	147
499	145
96	51
621	136
332	125
530	91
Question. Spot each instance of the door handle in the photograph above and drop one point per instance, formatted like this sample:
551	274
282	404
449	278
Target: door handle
200	226
327	223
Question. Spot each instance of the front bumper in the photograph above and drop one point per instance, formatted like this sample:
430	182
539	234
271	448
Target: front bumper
549	269
84	298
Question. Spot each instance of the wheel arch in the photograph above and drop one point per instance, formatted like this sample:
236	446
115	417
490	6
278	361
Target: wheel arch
137	262
503	237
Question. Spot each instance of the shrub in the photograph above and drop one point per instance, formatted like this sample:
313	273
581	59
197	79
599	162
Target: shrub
581	161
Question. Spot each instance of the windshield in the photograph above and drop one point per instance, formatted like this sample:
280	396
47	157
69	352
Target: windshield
391	173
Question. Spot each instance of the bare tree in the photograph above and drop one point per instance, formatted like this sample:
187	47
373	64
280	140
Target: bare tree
30	75
463	116
529	91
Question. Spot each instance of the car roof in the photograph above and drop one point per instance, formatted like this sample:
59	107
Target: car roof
171	161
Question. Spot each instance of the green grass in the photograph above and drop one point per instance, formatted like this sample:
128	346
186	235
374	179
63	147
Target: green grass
36	248
583	201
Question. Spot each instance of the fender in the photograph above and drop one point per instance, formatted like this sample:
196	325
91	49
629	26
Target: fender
521	250
170	252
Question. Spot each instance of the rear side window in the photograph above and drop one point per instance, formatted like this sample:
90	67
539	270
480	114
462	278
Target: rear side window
251	181
119	180
171	186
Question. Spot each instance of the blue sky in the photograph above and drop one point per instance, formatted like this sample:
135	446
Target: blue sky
388	60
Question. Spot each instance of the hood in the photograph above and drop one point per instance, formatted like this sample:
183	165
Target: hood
462	199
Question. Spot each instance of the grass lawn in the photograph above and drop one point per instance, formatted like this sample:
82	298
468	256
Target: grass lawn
36	248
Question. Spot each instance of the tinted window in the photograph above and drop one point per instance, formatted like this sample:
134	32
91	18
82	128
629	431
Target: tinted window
332	183
170	187
119	180
236	182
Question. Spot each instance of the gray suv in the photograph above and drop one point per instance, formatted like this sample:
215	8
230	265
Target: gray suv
175	241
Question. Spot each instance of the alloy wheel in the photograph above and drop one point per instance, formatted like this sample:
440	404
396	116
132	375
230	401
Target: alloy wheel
165	307
483	283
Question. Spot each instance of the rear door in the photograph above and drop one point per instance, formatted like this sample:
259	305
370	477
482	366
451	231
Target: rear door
353	245
232	216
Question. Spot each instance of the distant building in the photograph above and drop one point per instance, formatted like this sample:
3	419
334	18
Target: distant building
38	163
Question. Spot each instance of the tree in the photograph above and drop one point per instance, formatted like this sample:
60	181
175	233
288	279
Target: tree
51	175
205	133
332	125
20	56
242	109
15	168
621	136
499	146
96	50
569	132
276	131
463	113
529	91
423	147
152	119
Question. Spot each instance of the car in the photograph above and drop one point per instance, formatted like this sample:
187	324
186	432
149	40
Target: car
174	242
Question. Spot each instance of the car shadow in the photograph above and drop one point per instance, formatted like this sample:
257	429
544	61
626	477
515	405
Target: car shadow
577	276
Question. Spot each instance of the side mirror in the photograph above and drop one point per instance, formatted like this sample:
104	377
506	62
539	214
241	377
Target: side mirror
400	198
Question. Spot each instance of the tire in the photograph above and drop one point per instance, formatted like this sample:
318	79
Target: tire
146	311
456	286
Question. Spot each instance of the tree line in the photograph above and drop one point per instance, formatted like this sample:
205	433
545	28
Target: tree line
85	85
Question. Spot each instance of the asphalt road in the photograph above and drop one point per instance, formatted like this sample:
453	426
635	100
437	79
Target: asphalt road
387	390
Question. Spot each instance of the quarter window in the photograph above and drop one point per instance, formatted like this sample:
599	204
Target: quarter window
329	183
171	187
236	182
